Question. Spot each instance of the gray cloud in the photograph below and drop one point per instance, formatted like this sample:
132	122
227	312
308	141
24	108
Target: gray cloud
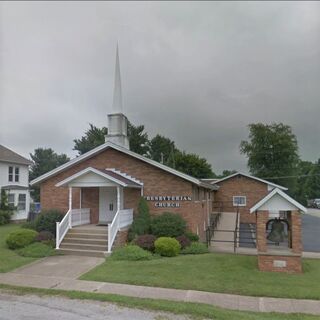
197	72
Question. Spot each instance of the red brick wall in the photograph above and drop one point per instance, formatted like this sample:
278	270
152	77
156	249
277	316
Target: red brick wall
293	263
156	182
254	191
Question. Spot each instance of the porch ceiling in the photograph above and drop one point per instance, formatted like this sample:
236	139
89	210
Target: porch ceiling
93	177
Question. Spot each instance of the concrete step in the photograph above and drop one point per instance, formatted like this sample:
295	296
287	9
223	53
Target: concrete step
91	230
85	241
87	253
70	235
82	246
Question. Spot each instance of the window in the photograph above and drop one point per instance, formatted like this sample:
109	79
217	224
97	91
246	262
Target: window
22	202
13	172
10	177
16	174
240	201
11	200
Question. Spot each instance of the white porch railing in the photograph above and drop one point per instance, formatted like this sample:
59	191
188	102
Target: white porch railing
122	219
73	217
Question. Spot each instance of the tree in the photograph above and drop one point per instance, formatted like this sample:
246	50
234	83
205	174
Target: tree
138	139
303	190
193	165
312	184
226	173
44	161
272	152
161	147
92	138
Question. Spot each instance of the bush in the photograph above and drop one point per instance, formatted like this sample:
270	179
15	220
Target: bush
167	247
145	241
141	224
46	221
195	248
192	236
184	241
5	216
168	225
36	250
44	236
131	253
21	238
29	225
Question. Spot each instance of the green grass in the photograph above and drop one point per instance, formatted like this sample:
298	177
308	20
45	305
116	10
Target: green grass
225	273
37	250
194	310
10	259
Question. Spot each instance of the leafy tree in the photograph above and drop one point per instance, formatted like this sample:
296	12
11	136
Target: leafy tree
303	192
138	139
161	146
193	165
93	137
312	184
44	160
226	173
272	152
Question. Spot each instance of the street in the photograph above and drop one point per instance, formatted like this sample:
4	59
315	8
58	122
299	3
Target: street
52	308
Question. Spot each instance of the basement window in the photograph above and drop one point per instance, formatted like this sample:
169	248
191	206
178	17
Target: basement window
240	201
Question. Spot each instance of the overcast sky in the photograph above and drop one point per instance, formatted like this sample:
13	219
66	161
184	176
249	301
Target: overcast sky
196	72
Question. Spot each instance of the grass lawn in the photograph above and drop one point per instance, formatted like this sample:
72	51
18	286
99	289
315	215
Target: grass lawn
194	310
226	273
9	259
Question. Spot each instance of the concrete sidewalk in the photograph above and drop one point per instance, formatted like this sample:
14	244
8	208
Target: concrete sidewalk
68	281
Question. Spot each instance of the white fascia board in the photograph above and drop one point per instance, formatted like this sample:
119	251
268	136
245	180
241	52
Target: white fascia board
121	149
85	171
125	176
283	195
252	177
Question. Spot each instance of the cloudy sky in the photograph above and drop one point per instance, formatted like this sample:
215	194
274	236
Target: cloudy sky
197	72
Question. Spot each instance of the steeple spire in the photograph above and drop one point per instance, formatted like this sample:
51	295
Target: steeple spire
117	93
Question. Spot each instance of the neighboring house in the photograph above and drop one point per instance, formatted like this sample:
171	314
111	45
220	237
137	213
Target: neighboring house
243	191
14	178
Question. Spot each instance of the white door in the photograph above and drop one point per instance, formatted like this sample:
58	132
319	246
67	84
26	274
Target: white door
107	204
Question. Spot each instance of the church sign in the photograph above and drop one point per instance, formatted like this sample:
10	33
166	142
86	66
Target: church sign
167	201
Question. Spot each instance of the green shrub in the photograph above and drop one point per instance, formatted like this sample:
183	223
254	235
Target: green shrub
5	216
184	241
29	225
168	225
192	236
195	248
44	236
21	238
46	221
167	247
145	241
131	253
141	223
36	250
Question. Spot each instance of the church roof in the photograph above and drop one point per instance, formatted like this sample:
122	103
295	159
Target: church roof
111	145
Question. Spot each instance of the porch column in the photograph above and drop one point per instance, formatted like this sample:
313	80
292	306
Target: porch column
118	198
70	206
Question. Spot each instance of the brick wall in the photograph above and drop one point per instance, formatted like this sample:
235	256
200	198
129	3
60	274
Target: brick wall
241	186
156	182
269	263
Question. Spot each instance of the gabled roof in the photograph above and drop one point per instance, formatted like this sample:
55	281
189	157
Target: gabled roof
8	155
107	174
283	195
108	145
251	177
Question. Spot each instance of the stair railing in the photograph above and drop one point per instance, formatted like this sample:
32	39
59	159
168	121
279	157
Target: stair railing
62	228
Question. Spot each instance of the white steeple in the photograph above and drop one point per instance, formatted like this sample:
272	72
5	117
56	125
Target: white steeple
117	121
117	92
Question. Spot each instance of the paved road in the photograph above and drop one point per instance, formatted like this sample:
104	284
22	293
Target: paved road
53	308
311	232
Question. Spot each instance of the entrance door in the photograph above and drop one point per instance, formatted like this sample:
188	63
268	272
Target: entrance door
107	204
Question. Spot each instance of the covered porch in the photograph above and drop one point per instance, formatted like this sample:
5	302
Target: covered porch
101	201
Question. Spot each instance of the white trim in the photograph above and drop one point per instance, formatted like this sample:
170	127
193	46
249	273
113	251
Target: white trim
123	150
85	171
237	204
283	195
125	176
251	177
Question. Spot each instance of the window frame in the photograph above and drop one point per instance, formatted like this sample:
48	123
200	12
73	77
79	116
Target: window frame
23	202
236	204
10	174
16	174
11	204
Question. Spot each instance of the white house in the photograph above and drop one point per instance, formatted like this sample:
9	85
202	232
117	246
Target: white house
14	178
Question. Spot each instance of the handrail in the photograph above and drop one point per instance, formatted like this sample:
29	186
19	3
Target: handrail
62	228
236	231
